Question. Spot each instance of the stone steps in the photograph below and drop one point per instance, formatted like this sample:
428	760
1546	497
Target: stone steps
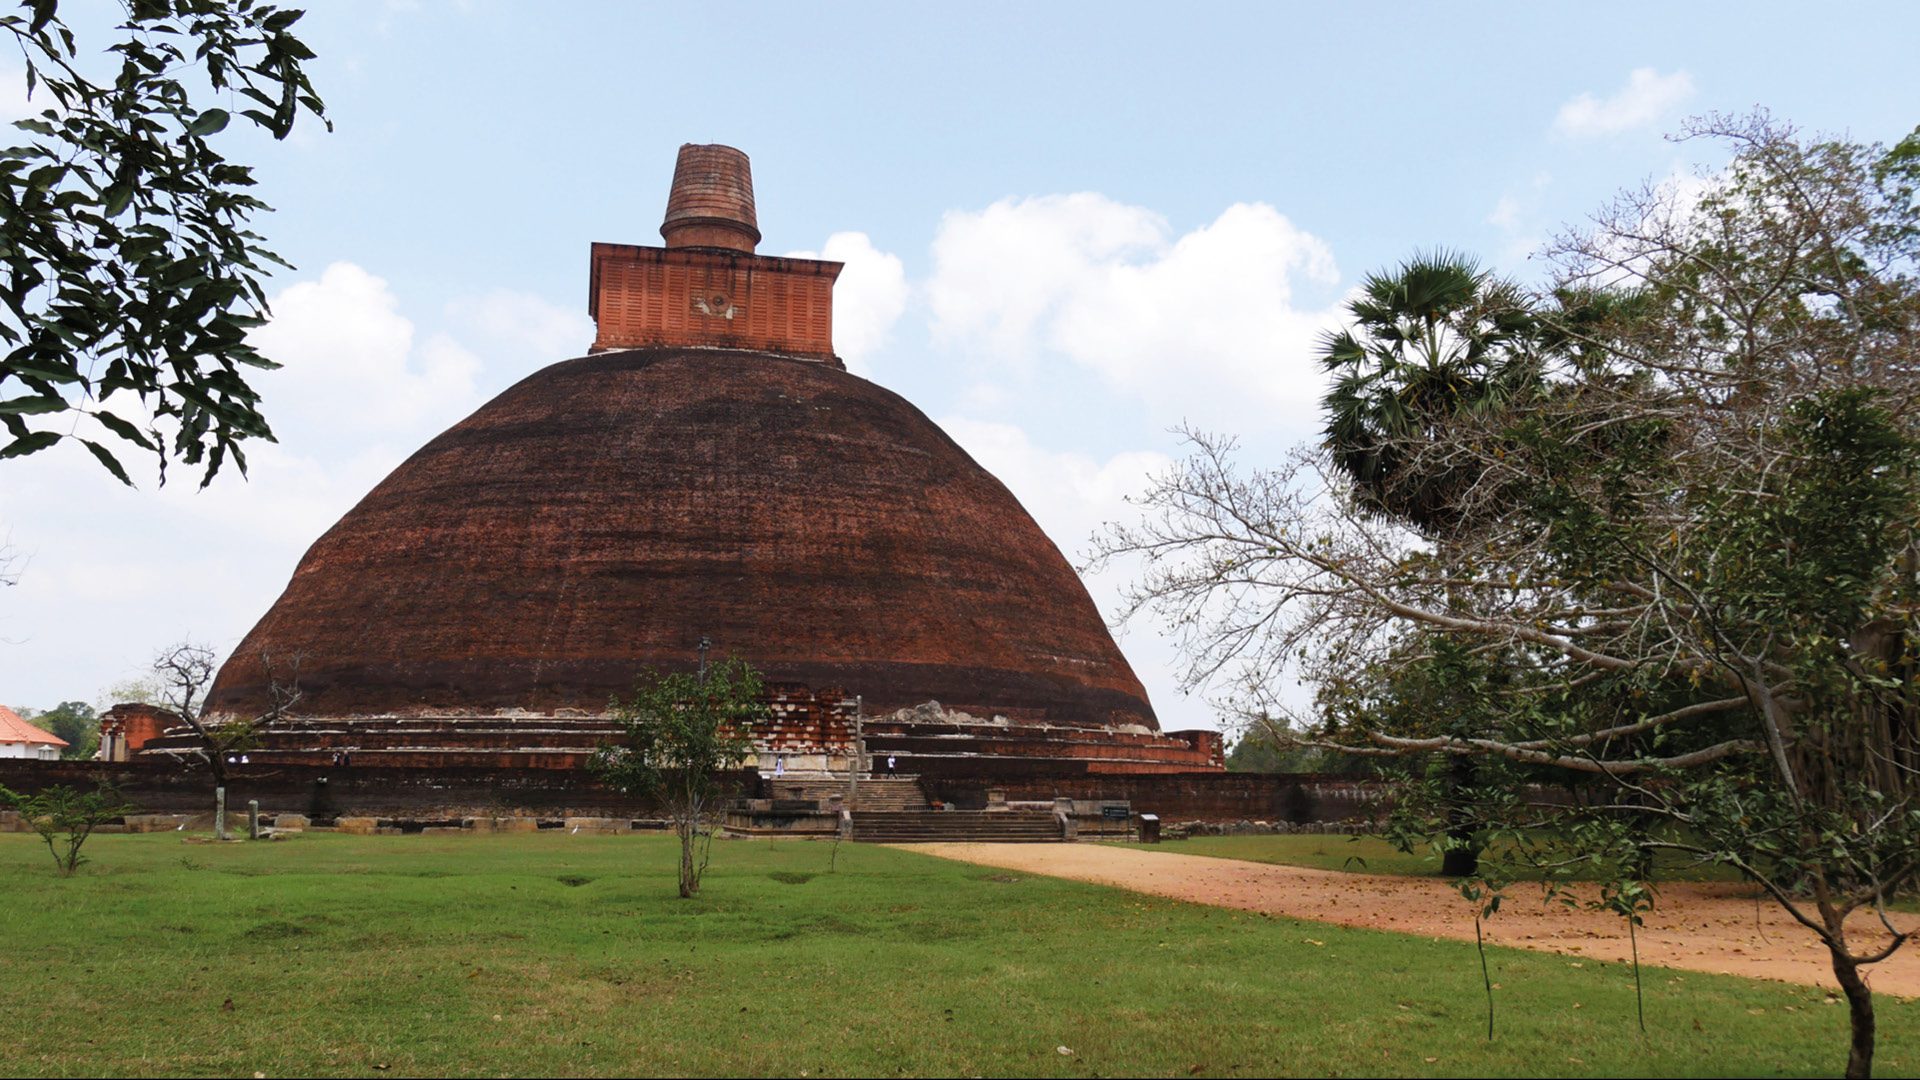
977	826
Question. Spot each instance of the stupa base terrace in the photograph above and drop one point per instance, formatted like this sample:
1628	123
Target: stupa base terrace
808	735
402	798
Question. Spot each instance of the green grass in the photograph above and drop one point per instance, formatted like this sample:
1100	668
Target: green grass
1371	855
522	954
1359	854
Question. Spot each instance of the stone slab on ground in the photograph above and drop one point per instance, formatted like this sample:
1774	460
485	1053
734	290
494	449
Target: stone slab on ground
1711	927
502	824
597	825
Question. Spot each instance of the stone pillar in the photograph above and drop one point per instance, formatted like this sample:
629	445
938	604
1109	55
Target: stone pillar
859	757
253	819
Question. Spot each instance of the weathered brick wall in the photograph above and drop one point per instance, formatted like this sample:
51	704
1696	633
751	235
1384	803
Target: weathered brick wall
803	721
456	791
1199	796
323	791
126	728
644	297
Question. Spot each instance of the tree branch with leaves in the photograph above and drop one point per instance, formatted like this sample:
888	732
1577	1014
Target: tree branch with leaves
129	276
1689	540
680	731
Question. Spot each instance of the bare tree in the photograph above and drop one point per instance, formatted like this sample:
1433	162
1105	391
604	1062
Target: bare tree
12	562
1695	539
185	672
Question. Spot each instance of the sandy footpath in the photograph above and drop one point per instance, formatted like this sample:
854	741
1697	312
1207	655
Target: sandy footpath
1697	927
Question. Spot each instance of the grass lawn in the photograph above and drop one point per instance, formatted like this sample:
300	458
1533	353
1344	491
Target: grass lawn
1360	854
1370	855
541	953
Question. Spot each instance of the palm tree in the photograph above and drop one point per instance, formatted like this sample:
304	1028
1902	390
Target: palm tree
1437	339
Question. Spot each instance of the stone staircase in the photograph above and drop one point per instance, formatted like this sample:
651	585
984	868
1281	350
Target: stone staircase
895	794
977	826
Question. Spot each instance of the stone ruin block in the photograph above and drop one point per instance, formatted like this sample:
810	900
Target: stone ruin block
501	824
597	825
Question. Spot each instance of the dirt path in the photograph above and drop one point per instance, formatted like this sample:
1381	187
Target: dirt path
1696	927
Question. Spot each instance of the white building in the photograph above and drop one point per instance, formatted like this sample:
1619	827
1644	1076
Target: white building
19	739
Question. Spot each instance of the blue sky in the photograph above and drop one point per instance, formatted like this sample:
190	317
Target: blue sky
1068	227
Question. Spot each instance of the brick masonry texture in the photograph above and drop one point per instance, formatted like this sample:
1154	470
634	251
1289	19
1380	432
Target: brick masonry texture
647	296
711	201
607	512
446	790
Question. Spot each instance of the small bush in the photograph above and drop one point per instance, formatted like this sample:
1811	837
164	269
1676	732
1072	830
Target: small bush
65	817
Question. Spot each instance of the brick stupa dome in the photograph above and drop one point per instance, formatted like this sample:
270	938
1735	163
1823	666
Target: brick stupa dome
710	471
608	512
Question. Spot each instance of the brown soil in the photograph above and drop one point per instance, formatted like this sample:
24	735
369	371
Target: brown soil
1716	928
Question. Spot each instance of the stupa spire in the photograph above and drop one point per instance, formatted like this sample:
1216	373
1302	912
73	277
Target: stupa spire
711	203
706	288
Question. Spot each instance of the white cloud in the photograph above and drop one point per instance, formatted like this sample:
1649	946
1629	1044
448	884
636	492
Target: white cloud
1683	188
1202	326
527	331
352	369
1515	216
1072	495
999	271
1647	98
868	297
1085	300
1621	255
116	572
1506	213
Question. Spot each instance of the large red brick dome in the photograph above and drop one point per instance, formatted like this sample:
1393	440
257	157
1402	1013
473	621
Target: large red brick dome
606	513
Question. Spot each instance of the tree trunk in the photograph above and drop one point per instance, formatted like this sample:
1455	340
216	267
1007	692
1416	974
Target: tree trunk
1859	1012
217	763
689	883
1462	857
1459	862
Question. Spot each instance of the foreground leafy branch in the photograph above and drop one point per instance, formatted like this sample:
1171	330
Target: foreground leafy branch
128	275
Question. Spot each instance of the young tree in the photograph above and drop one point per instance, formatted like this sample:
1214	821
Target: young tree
1695	544
184	672
682	729
128	276
65	817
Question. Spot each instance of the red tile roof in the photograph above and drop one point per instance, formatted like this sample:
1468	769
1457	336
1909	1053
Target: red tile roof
14	729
